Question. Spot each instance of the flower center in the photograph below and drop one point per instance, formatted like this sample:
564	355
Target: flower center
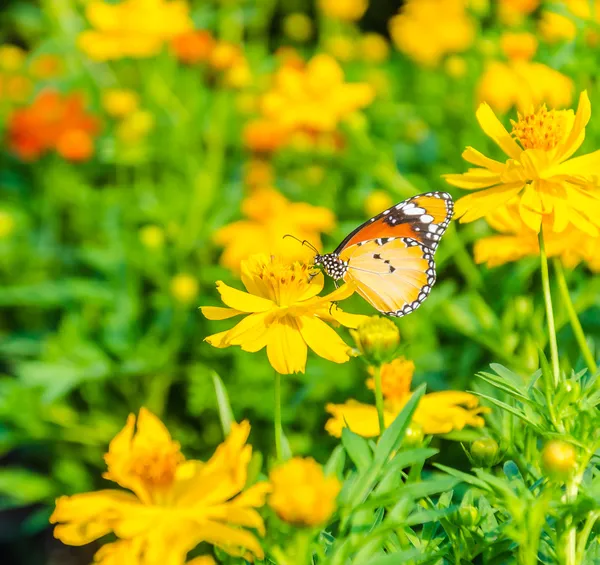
543	129
283	283
156	466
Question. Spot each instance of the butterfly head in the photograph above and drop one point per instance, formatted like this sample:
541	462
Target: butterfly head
332	265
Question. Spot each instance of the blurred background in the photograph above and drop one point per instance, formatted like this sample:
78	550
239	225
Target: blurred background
149	145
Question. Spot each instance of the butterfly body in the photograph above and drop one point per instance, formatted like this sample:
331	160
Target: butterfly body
390	258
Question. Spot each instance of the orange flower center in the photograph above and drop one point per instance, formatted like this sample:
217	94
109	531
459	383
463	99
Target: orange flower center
156	467
396	378
539	130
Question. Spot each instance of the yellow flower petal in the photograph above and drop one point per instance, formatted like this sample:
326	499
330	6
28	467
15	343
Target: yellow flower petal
577	134
218	313
473	179
286	349
323	340
477	205
584	165
231	539
475	157
347	319
492	127
360	418
248	330
239	300
218	340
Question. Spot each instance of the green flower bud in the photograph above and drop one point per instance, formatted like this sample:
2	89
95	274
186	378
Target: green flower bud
559	459
377	339
484	452
468	516
413	437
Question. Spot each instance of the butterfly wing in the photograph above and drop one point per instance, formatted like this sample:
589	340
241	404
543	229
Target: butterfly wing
395	275
390	257
423	218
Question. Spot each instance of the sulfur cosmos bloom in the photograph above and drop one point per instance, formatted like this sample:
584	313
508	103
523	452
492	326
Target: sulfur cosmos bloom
550	185
118	30
446	23
283	313
516	241
269	216
302	494
436	413
173	504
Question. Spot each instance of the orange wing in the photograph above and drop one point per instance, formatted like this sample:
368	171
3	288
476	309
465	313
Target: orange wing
423	218
394	274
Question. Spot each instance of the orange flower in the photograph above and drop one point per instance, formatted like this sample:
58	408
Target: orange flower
264	136
193	47
46	123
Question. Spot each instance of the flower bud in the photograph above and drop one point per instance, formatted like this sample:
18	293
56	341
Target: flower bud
184	288
413	437
152	237
468	516
558	459
377	339
484	452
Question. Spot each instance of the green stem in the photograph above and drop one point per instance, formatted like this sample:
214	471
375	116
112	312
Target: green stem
584	535
549	311
379	399
571	538
277	418
573	318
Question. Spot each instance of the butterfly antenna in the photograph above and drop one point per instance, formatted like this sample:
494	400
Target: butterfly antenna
303	242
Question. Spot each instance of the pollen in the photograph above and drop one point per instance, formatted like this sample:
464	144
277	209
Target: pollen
542	129
156	466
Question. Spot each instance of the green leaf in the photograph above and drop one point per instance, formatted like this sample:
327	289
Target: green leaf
23	487
415	556
225	412
392	436
358	449
464	477
335	463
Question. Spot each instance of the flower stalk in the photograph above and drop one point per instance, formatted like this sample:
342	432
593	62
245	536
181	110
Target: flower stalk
277	418
379	399
549	311
573	318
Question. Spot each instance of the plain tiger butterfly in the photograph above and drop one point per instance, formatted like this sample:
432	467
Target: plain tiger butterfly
389	258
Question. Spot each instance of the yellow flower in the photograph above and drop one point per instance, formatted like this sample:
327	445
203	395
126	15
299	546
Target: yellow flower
282	312
512	12
152	237
12	58
522	46
456	66
373	48
119	31
270	216
436	413
395	378
557	27
516	241
202	560
341	47
376	202
445	23
302	495
7	224
314	98
173	505
377	338
258	173
119	102
523	84
550	185
135	126
184	288
345	10
298	26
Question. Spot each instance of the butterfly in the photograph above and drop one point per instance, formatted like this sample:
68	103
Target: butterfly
389	258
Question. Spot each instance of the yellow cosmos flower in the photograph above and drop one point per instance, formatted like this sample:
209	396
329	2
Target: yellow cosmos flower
120	102
516	241
345	10
523	84
539	170
436	413
269	217
520	45
119	31
315	98
302	495
555	27
173	505
283	314
445	23
377	201
512	12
